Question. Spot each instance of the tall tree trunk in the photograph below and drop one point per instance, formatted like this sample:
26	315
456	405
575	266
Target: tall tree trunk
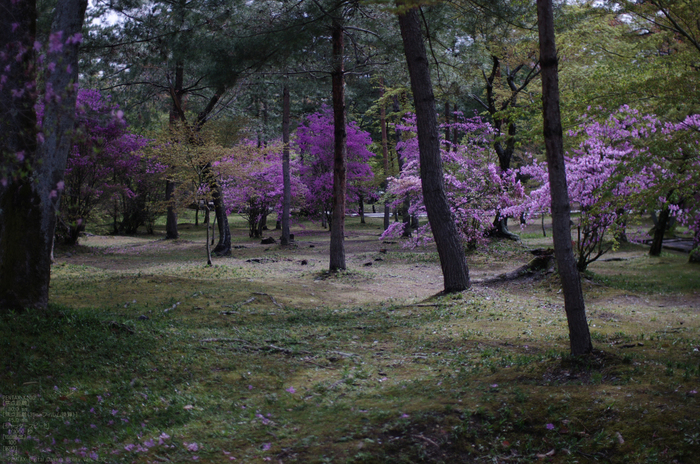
30	194
659	232
385	151
286	178
337	248
176	112
24	270
452	259
579	336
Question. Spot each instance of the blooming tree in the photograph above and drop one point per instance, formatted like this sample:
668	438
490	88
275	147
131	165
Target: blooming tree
315	142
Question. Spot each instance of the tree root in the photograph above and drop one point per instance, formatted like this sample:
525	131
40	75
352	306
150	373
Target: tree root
542	263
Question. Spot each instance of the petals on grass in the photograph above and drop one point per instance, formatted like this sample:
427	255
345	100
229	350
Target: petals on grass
550	426
291	390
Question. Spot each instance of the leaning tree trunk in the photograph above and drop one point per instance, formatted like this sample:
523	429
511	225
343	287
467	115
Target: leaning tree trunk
30	193
337	249
286	178
454	265
579	335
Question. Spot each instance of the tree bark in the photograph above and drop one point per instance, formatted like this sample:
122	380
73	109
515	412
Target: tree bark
447	125
171	217
223	247
337	249
176	112
286	178
385	151
659	232
361	209
579	335
455	133
32	175
695	252
208	224
452	259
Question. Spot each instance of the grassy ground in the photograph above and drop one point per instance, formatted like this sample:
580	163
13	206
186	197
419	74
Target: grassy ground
146	355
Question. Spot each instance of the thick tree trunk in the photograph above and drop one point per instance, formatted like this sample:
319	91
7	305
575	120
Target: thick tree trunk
452	259
171	217
176	112
406	217
337	249
579	336
695	252
286	178
30	193
659	232
385	151
223	247
361	209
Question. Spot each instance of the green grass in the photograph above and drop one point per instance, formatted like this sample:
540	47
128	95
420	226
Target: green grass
146	355
668	273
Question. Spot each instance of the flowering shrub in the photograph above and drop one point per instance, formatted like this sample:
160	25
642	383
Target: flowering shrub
476	187
253	184
629	162
105	169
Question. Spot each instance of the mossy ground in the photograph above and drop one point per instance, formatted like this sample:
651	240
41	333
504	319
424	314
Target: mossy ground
147	355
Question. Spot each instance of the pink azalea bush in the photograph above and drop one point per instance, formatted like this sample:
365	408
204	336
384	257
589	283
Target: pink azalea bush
106	170
253	185
476	187
627	163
